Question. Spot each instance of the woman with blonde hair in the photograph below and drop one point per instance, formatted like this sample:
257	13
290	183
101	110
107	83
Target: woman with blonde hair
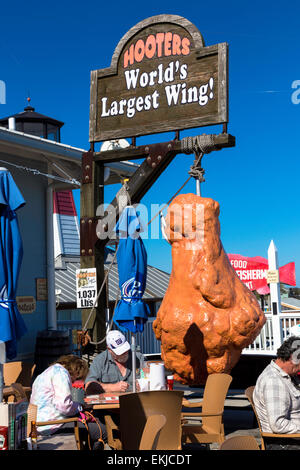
52	393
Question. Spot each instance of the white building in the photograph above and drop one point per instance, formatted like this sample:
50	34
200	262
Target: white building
40	164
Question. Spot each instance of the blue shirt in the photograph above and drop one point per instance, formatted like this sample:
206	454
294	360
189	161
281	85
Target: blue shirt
105	370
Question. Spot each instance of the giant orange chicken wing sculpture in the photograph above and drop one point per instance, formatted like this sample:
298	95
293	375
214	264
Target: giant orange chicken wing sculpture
207	315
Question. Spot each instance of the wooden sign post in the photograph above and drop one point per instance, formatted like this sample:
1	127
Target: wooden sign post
162	78
91	250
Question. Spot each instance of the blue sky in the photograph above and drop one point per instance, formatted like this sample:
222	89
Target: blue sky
48	51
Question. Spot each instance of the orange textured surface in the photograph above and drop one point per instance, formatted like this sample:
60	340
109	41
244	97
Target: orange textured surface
207	315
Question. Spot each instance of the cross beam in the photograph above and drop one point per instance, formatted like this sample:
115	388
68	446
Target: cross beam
156	159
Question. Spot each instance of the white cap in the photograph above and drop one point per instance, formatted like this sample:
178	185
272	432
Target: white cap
295	330
116	341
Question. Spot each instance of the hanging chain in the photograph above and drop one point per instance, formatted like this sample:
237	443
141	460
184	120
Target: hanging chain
39	173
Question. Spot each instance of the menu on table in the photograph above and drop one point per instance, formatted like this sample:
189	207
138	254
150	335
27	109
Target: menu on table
102	398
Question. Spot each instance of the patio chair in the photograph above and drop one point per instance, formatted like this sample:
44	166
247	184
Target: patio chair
148	421
14	392
19	372
32	415
211	428
240	443
266	436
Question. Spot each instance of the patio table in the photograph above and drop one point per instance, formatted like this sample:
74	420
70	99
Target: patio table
108	401
104	401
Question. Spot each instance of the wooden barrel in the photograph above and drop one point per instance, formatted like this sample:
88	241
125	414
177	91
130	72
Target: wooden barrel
49	346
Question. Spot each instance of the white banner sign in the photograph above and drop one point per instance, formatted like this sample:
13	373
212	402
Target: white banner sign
86	287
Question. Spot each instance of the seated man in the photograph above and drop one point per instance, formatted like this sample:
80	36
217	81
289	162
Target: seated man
111	370
277	396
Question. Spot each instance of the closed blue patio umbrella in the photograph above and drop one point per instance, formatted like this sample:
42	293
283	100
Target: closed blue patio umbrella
131	312
12	325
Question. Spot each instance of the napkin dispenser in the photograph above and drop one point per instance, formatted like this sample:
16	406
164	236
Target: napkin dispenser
157	376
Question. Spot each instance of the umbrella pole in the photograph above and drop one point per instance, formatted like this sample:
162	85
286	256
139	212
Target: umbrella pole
107	311
133	350
1	382
2	361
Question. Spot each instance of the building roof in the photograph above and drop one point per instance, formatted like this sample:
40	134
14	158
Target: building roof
65	280
62	159
29	114
290	303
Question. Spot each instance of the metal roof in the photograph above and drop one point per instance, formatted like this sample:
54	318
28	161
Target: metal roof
290	303
65	280
29	114
38	149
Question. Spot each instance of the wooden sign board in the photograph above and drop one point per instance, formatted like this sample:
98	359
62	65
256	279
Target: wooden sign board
26	304
41	289
162	78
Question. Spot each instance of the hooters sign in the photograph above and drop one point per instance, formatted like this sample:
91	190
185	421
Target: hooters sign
253	272
161	78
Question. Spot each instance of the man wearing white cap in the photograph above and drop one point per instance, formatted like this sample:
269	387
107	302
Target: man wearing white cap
111	370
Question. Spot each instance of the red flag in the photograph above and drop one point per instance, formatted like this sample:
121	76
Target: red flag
287	274
253	272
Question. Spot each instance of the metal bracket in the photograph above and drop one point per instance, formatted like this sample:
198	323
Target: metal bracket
88	235
157	152
87	167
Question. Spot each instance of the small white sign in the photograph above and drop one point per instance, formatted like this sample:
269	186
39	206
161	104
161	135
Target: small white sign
86	287
272	276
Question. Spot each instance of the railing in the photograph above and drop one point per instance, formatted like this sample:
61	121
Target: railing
264	344
289	319
146	341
